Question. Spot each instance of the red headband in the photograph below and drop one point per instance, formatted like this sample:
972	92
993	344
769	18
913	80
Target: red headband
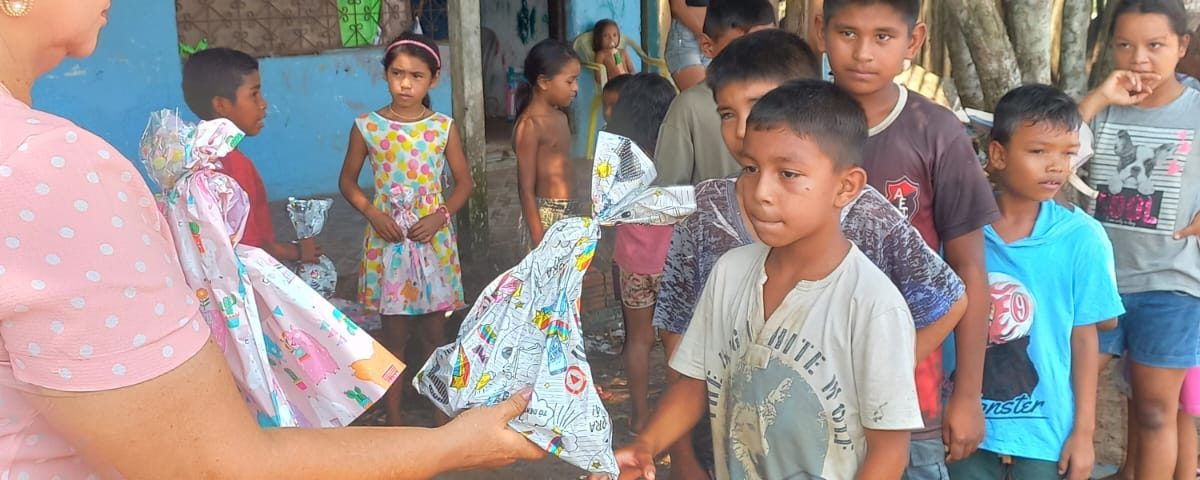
436	57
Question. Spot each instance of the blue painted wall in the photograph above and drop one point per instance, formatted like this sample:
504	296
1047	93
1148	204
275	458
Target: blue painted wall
314	99
581	17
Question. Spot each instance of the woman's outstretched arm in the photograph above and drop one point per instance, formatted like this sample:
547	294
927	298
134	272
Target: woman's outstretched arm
192	423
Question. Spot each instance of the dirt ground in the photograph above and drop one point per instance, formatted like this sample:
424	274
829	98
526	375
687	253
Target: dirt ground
604	340
601	323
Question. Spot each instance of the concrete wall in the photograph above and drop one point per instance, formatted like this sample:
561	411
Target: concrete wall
313	98
518	25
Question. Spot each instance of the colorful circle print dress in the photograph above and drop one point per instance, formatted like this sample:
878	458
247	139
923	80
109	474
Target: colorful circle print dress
409	278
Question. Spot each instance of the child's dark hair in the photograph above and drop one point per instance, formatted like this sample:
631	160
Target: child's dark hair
598	33
1033	105
416	46
909	9
770	55
725	15
216	72
547	58
818	111
640	111
1176	14
616	84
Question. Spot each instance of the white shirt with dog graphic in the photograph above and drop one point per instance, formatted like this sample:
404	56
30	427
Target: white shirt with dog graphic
1147	170
791	396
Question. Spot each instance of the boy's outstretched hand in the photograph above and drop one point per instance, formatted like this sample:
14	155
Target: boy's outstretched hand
311	254
635	461
1078	457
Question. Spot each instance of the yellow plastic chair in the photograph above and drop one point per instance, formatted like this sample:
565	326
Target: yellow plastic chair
583	48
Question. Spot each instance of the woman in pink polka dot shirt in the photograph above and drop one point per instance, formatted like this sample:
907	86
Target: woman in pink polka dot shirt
106	368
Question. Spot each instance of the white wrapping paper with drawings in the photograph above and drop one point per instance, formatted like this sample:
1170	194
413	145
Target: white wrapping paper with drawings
524	330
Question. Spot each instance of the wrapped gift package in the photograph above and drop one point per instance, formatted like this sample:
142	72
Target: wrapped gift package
308	216
297	360
524	329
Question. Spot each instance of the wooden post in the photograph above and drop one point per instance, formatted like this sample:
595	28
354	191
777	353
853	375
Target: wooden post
466	67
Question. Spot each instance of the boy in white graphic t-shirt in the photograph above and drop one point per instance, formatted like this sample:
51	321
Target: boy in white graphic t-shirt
800	348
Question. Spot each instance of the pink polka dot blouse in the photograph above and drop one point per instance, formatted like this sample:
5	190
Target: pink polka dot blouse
92	297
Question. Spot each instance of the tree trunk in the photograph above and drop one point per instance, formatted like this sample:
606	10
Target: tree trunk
466	63
1056	27
1100	56
1029	31
995	61
1072	62
795	17
933	55
962	68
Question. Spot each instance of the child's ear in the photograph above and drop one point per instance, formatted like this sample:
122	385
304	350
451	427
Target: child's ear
997	160
543	82
818	26
852	183
222	106
919	32
706	45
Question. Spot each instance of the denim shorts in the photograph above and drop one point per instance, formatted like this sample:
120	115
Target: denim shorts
683	48
926	460
1159	329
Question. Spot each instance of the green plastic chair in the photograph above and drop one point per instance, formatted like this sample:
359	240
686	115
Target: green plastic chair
583	48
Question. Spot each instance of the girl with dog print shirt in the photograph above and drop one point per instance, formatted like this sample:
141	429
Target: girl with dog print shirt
1147	171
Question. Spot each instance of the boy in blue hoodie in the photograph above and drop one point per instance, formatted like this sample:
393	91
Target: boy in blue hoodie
1052	280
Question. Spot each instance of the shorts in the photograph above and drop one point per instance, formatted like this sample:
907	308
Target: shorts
683	49
926	460
639	290
1159	329
550	211
985	465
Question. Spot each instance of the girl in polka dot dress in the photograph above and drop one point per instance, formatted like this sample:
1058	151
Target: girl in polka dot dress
410	271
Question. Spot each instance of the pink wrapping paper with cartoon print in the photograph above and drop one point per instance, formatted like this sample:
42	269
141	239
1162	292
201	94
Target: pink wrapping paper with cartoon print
298	361
524	328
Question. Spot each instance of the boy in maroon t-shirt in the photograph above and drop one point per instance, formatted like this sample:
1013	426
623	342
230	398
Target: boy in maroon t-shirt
225	83
919	157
